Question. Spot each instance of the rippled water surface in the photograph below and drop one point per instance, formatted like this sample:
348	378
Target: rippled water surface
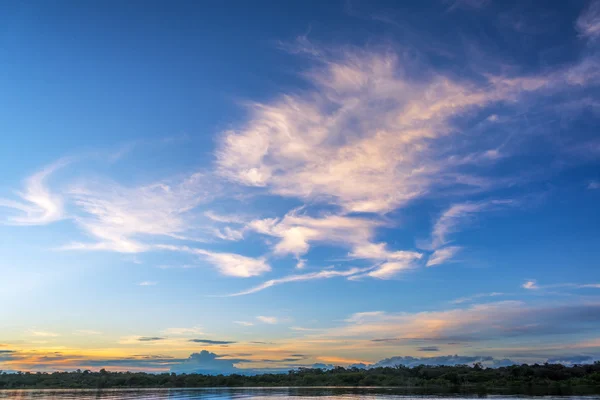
242	393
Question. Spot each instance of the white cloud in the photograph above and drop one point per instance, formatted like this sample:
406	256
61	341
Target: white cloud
237	265
297	231
38	205
366	138
267	320
531	284
228	233
442	255
244	323
325	274
148	283
118	217
390	269
391	262
379	251
452	219
594	185
226	219
227	263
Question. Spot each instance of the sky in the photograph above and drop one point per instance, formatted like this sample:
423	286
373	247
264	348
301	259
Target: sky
229	186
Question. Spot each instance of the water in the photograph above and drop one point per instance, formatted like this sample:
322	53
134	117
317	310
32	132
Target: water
247	393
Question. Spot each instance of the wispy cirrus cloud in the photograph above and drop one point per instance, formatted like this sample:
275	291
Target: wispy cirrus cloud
532	284
268	319
454	219
468	299
459	215
38	205
120	217
390	263
337	144
229	264
588	23
440	256
244	323
324	274
195	330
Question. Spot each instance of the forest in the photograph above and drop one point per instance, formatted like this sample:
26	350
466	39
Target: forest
544	379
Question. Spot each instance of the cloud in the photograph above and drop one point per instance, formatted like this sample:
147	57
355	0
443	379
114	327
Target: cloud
486	361
297	231
593	185
367	137
38	205
195	330
480	322
228	233
227	263
205	363
210	342
237	265
429	348
325	274
476	296
244	323
267	320
150	338
451	221
442	255
387	270
531	285
588	23
117	216
391	262
35	332
147	283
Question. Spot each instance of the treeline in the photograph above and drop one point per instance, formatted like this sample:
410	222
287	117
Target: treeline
525	379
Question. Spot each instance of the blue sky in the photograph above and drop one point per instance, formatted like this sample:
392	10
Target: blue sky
288	184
